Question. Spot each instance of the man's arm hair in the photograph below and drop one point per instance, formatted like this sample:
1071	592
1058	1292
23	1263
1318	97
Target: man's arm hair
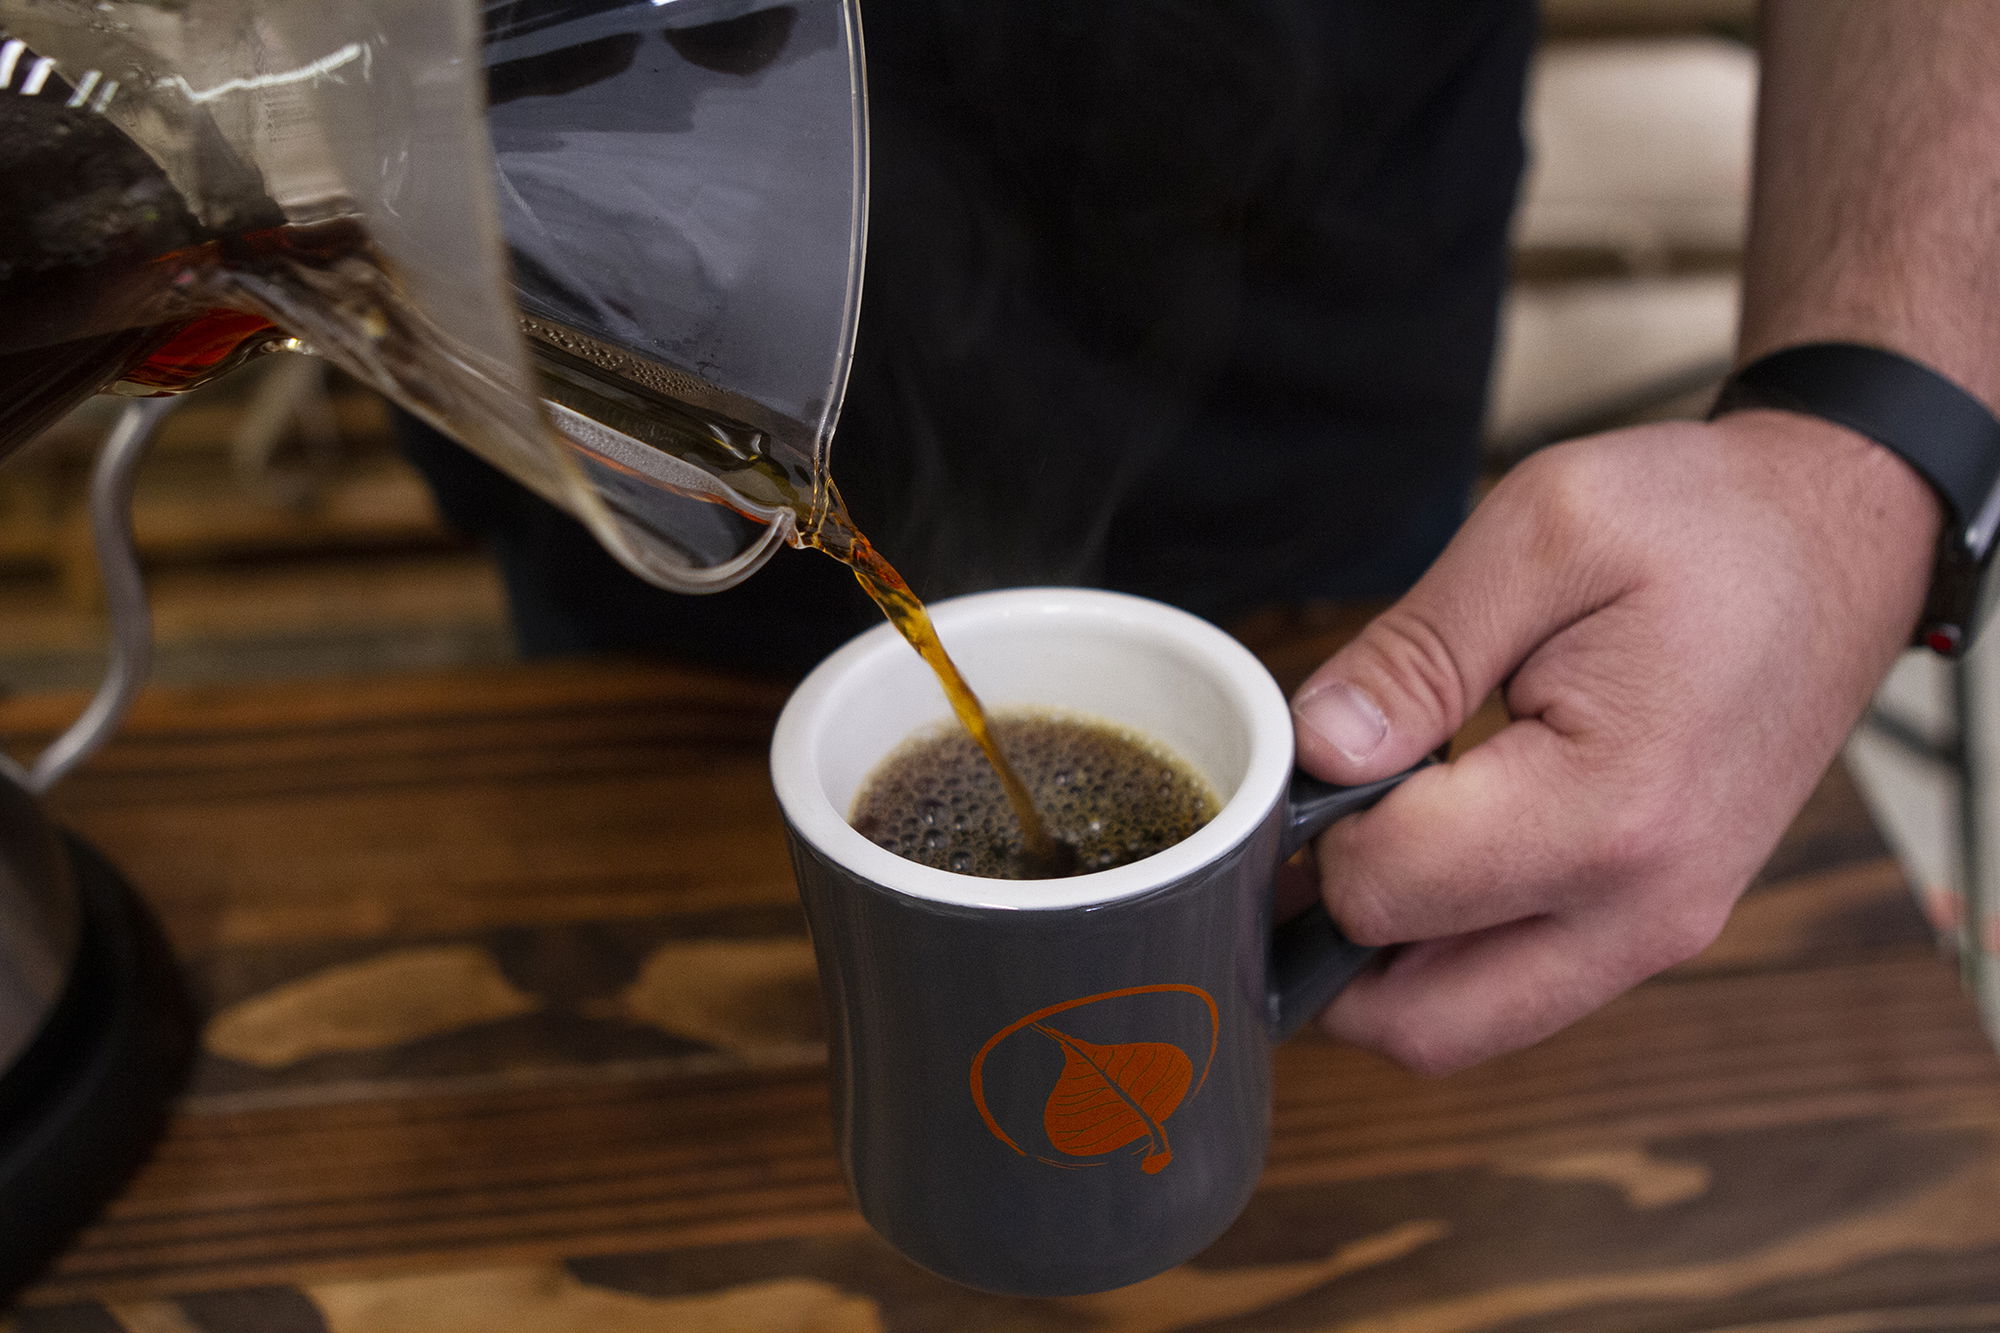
1876	206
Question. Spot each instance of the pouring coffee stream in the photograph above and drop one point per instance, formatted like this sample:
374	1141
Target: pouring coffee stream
1044	856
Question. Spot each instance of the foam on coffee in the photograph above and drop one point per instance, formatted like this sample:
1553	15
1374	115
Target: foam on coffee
1109	794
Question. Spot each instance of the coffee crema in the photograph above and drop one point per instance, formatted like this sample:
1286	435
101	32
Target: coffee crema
1109	795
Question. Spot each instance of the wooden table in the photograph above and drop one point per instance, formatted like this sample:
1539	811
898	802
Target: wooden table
514	1030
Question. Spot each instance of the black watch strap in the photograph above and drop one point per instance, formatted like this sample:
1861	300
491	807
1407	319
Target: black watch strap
1932	424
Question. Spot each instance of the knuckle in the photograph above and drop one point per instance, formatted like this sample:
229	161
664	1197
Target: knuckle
1637	834
1365	916
1561	493
1561	486
1417	658
1685	932
1422	1050
1667	937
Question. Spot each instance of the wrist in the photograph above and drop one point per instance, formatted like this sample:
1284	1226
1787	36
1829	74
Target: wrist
1855	510
1901	509
1948	437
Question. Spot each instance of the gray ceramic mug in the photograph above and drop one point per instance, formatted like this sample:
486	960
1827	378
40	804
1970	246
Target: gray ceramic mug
1059	1086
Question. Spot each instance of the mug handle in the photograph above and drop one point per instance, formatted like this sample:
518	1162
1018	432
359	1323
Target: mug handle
1311	961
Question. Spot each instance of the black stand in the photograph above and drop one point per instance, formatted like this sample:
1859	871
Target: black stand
84	1105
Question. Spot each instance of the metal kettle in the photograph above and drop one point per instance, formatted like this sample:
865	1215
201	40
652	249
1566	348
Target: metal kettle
96	1029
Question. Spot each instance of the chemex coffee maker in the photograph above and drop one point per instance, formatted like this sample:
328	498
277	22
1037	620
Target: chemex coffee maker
612	246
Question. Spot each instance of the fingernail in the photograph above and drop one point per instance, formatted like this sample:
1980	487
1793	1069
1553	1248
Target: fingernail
1344	717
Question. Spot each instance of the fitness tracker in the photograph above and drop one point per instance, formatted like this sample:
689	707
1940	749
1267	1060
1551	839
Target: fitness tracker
1939	429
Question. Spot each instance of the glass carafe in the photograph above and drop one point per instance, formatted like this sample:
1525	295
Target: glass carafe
612	246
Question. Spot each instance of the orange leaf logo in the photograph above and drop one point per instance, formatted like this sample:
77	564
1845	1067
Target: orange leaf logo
1108	1096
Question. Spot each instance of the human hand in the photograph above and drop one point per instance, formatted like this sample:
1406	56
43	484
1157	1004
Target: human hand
1685	620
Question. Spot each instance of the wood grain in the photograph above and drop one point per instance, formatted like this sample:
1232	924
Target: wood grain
1798	1132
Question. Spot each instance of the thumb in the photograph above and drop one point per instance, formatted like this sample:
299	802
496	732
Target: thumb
1514	576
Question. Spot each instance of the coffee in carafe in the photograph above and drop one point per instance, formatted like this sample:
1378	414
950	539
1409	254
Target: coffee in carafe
190	188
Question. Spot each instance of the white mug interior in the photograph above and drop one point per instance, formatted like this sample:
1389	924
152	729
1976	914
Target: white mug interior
1139	664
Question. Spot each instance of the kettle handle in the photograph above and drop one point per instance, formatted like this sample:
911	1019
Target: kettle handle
130	653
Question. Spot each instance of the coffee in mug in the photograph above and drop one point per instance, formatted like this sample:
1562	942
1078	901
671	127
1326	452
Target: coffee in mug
1109	795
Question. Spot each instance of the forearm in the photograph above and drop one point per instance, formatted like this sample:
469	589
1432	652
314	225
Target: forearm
1876	207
